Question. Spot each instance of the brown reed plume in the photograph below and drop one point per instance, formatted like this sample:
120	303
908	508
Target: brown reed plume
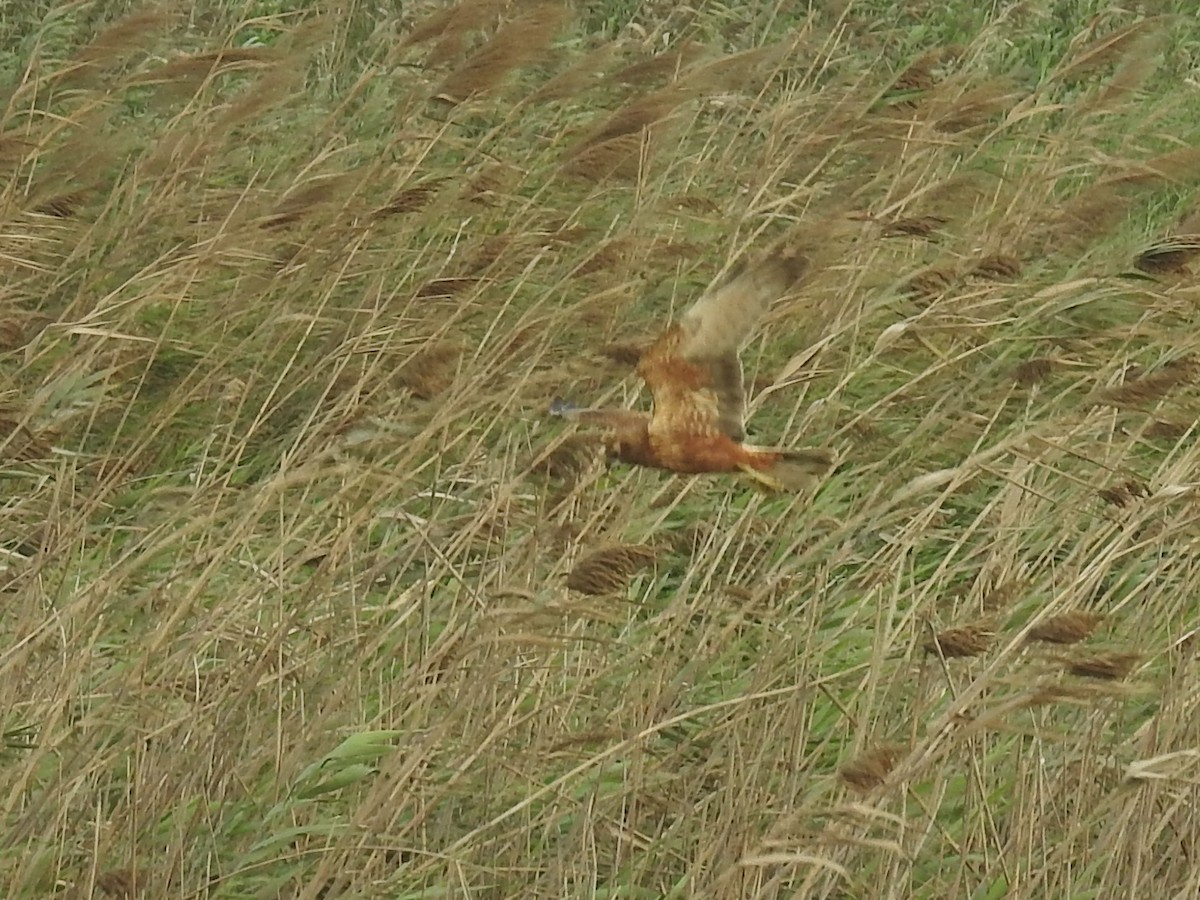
913	226
518	43
1175	252
997	267
918	75
1178	166
1106	50
733	71
1164	429
1140	61
134	32
412	198
496	254
617	146
608	569
570	457
1066	628
280	81
1105	665
305	200
121	884
1171	256
63	205
195	67
468	15
974	106
1144	390
577	77
665	65
1001	597
931	282
1099	207
1032	371
446	287
609	255
14	148
1124	493
18	441
431	370
962	641
871	768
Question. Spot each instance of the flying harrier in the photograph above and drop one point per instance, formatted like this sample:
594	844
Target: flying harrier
695	378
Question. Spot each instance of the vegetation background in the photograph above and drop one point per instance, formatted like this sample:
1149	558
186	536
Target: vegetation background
303	595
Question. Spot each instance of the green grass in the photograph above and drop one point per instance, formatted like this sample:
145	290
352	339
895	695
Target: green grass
285	606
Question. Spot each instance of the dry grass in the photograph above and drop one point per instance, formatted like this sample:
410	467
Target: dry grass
306	596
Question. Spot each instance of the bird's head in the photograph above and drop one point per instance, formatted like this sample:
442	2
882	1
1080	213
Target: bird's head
562	408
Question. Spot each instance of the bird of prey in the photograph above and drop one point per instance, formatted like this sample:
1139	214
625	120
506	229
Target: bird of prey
695	378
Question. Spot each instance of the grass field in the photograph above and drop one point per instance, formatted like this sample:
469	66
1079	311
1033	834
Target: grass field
304	595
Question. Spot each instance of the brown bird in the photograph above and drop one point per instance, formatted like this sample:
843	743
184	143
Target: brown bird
695	378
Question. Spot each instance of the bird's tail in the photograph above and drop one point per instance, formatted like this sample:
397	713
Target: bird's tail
791	470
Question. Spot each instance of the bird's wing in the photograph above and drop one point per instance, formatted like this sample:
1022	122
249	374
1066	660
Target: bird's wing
626	430
694	372
720	321
597	417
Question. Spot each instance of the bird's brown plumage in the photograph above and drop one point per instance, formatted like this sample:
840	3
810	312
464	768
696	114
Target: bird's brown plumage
695	378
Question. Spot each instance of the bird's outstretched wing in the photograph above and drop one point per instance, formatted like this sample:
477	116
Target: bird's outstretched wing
599	417
693	371
626	430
